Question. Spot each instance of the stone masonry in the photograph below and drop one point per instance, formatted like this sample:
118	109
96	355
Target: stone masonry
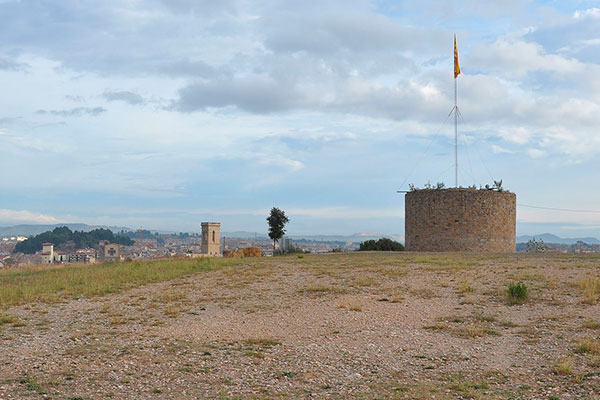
460	219
210	244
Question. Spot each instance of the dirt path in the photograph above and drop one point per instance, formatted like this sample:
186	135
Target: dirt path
340	326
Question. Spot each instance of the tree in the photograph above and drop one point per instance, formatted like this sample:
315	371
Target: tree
383	244
536	246
277	220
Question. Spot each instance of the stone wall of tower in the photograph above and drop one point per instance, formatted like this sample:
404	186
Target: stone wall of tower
460	220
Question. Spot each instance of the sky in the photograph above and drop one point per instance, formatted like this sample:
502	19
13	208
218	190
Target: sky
161	114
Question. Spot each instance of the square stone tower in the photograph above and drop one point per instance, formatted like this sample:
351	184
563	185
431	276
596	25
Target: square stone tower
211	239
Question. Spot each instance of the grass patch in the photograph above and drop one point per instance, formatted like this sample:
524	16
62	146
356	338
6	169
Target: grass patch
517	293
52	284
261	342
587	345
465	287
7	319
563	367
351	304
590	286
320	289
591	324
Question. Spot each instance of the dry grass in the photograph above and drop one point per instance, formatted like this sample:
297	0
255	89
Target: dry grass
465	287
590	286
396	295
587	345
261	342
351	304
591	324
563	367
52	284
7	319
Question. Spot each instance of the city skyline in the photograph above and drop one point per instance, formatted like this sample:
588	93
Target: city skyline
162	114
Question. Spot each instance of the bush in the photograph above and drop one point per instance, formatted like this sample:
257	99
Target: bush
517	293
383	244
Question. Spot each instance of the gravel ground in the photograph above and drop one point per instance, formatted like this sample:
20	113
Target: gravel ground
363	325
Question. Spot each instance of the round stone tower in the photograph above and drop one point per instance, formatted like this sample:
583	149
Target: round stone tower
460	219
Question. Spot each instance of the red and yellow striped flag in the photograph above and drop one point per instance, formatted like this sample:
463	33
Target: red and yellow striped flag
456	66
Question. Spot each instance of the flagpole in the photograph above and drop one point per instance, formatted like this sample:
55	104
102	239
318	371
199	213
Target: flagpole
455	134
456	73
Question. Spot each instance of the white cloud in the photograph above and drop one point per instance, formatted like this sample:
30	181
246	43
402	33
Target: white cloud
536	153
513	58
588	13
500	149
11	217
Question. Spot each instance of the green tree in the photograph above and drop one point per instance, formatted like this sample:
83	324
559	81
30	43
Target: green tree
383	244
277	220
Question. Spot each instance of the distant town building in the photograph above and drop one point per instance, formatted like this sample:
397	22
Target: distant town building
211	239
285	243
47	254
60	257
50	256
83	256
112	252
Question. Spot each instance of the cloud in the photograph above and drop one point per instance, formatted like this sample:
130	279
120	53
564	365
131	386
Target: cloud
514	58
500	149
123	95
346	32
253	94
574	36
11	65
188	68
593	13
9	217
536	153
75	112
202	7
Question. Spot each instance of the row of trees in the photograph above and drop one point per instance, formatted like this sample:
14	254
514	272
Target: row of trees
64	236
277	220
383	244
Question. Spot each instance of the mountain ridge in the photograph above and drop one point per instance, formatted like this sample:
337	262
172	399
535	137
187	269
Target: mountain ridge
551	238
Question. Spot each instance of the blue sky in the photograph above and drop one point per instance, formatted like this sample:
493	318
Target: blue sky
164	113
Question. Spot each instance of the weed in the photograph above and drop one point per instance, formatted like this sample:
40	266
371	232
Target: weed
7	319
117	320
396	295
517	293
587	345
365	281
352	305
105	309
591	324
254	354
172	311
260	342
322	289
474	330
563	367
590	287
465	287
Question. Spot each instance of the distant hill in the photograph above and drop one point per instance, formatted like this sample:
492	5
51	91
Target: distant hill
32	230
550	238
63	236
